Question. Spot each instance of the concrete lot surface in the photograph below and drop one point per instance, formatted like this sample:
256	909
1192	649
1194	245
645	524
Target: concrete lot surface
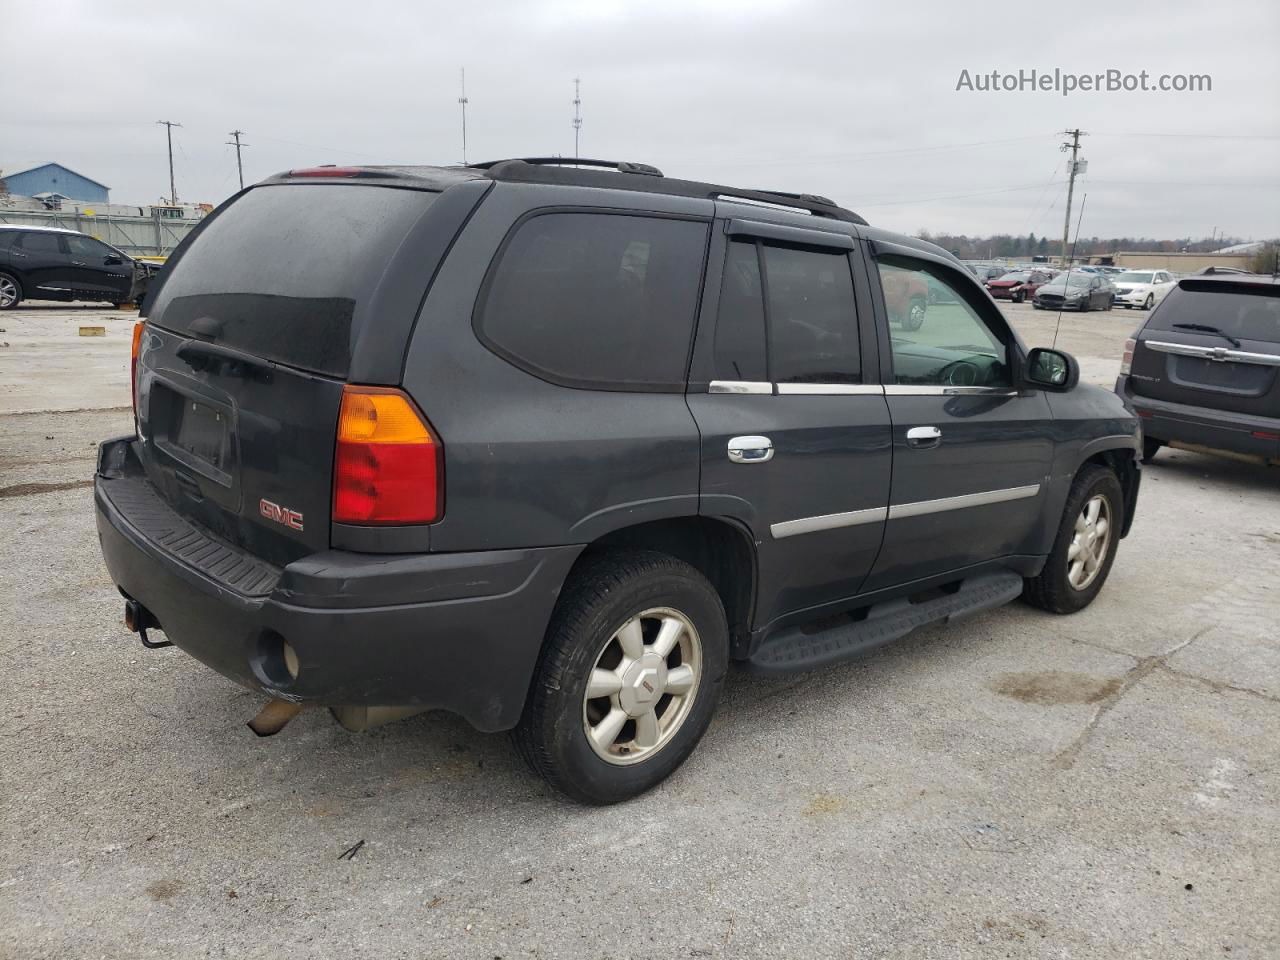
1013	785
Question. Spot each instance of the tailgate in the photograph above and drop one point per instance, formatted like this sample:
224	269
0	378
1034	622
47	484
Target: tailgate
1179	359
240	445
248	345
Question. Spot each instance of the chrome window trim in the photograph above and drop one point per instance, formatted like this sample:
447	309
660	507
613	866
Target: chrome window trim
901	511
830	521
740	386
925	390
1221	354
827	389
856	389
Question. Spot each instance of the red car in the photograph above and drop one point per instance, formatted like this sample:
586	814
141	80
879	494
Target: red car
1019	285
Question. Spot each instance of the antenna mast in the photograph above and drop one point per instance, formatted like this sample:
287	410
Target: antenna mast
464	101
577	115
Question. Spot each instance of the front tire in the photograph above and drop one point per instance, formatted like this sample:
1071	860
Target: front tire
1149	302
10	291
1085	546
633	663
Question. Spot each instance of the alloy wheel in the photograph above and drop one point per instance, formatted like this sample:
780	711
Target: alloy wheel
642	686
1089	542
8	292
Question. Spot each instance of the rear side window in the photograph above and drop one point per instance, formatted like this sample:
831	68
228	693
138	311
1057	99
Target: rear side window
40	243
286	272
597	300
1243	311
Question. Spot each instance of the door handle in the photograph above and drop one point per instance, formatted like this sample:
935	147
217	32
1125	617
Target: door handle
922	438
77	263
750	449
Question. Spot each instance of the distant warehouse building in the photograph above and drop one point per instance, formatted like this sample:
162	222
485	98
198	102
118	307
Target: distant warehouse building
52	178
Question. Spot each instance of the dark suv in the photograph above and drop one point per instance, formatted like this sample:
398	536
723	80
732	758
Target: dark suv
47	263
1203	372
549	446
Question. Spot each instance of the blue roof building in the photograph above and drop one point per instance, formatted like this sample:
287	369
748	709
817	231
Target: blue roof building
31	181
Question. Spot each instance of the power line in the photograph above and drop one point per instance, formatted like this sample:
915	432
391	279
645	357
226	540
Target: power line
237	134
954	196
818	157
173	190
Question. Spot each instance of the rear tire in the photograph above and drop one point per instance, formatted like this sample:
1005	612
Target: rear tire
10	291
914	319
1083	552
566	735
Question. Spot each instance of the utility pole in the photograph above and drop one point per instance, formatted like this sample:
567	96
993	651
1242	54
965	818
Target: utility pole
1074	147
577	114
237	134
173	190
463	101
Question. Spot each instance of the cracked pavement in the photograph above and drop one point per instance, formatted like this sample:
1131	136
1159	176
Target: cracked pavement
1015	784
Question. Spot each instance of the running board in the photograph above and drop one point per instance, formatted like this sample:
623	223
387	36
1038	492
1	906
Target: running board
795	649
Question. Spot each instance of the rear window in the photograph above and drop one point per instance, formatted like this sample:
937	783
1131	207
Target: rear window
1243	311
286	271
597	300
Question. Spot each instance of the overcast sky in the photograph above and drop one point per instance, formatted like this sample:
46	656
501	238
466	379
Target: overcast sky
856	101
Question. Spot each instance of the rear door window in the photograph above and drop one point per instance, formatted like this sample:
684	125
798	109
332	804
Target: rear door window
813	324
740	332
1243	311
286	272
599	300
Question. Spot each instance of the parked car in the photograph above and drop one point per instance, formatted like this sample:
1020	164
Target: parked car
1203	371
1019	285
552	445
1142	288
46	263
1074	290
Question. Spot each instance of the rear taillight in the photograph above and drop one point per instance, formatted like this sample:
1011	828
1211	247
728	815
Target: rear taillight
1126	362
326	172
388	468
133	363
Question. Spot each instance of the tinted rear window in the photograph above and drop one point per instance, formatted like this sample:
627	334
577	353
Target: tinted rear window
597	300
286	271
1244	312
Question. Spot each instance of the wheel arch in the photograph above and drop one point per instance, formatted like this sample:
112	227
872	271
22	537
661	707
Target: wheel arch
720	549
1123	461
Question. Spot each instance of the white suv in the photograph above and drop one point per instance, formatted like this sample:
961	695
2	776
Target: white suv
1141	288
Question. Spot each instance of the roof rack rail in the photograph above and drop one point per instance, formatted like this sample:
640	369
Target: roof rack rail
621	175
622	166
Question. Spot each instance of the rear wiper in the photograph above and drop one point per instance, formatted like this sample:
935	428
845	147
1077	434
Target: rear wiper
1205	328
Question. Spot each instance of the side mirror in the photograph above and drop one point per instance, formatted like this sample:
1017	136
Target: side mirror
111	261
1054	370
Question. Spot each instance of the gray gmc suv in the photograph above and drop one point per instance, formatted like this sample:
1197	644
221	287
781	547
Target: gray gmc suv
549	446
1203	371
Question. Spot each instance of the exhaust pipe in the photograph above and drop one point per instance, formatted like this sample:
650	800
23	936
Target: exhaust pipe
273	717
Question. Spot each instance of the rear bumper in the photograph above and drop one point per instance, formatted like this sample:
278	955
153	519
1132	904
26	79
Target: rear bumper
459	632
1204	427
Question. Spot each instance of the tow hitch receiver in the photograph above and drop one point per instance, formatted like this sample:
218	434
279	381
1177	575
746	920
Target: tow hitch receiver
139	620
